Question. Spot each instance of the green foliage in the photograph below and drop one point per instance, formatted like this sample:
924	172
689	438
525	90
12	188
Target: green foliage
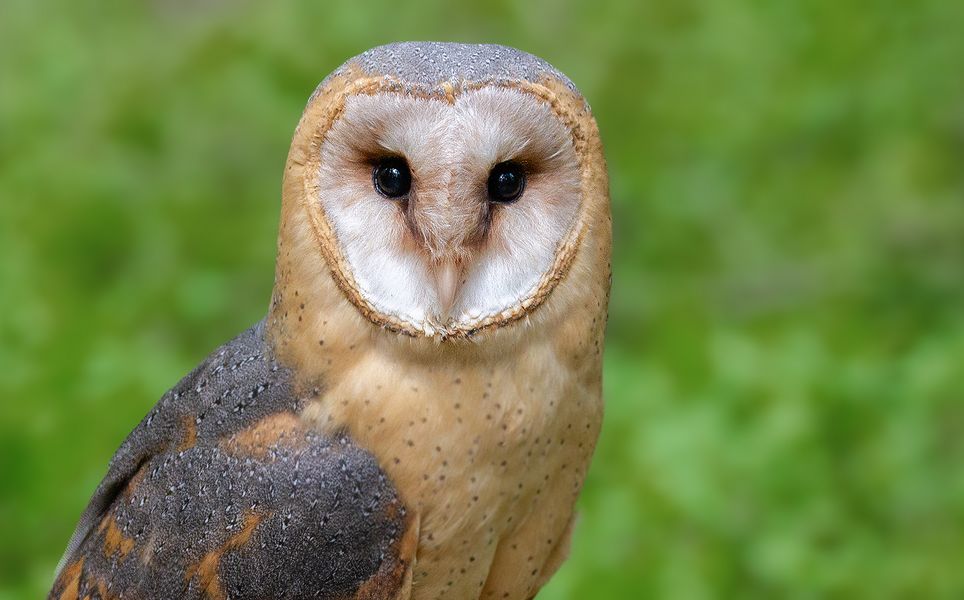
786	347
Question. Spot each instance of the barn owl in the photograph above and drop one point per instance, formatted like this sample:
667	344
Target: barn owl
414	417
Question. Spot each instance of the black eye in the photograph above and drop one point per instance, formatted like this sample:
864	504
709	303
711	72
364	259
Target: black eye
506	182
392	178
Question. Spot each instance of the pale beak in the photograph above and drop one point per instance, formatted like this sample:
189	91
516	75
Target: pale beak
448	276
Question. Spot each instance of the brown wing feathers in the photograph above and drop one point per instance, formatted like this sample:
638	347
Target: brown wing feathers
221	492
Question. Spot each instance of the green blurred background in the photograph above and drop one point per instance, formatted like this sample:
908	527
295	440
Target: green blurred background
785	365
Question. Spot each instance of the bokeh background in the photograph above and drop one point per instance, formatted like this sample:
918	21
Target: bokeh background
785	361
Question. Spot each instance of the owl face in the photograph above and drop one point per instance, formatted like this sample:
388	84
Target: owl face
450	190
448	213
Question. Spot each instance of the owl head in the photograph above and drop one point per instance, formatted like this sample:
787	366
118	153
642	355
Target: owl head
447	189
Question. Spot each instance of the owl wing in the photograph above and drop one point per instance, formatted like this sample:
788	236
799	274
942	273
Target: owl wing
222	491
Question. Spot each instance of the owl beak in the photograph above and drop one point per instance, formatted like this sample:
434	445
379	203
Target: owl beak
448	277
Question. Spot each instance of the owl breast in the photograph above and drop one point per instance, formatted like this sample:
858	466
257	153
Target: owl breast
491	458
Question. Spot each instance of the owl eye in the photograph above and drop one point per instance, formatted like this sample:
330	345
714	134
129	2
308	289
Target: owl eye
392	178
507	180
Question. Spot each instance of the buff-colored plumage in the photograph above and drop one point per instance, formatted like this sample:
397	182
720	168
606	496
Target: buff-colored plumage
483	421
